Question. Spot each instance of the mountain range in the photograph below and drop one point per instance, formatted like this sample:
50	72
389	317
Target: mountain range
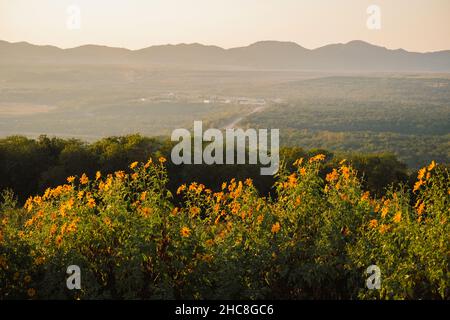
266	55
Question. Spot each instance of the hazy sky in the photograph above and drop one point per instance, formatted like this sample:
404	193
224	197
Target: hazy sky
415	25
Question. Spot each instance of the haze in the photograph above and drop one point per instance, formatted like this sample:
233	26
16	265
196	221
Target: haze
414	25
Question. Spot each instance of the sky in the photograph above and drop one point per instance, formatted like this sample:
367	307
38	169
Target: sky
414	25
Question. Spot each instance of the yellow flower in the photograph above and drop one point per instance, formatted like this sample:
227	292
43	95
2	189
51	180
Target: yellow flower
421	173
31	292
162	159
298	162
53	229
58	240
317	158
39	260
181	188
27	279
98	175
195	211
345	172
248	182
373	223
398	217
134	165
120	174
384	211
292	180
276	227
185	232
431	166
417	185
365	196
107	221
143	195
332	176
421	208
302	171
80	195
84	179
91	203
149	162
146	212
70	179
384	228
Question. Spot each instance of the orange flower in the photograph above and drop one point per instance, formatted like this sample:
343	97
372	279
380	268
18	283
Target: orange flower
384	228
107	221
91	203
259	219
195	211
120	174
398	217
276	228
317	158
373	223
302	171
149	162
421	208
185	232
431	166
70	179
332	176
31	292
421	173
162	159
417	185
84	179
298	162
345	172
146	212
292	180
365	196
58	240
134	165
181	188
384	212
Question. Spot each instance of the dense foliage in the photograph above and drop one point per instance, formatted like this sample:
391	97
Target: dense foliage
29	166
315	239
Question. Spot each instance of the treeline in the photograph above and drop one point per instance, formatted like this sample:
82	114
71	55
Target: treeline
29	166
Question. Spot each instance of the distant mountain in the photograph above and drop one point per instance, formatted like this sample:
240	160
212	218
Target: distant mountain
352	56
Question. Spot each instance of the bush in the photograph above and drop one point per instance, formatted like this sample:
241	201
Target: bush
313	240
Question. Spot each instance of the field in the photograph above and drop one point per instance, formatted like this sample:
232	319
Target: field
314	241
406	114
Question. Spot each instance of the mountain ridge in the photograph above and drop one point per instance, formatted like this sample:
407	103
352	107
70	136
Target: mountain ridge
355	55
